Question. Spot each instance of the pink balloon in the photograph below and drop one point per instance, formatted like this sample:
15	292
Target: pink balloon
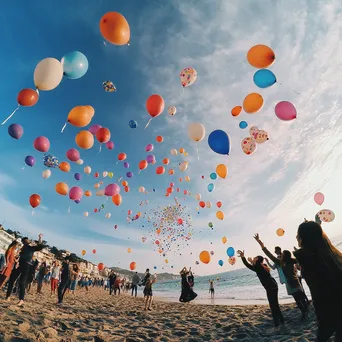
75	193
41	144
285	111
149	148
319	198
94	128
110	145
112	189
73	155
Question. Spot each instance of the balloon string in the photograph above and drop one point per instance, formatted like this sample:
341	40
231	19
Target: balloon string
63	127
11	115
32	212
69	209
296	92
37	91
105	44
197	151
149	121
100	149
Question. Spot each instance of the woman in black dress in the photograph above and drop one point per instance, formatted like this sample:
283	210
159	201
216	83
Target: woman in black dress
187	294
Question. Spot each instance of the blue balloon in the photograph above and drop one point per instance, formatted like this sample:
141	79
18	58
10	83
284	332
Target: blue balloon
230	252
133	124
77	176
211	187
243	124
219	142
220	262
213	175
155	267
264	78
75	65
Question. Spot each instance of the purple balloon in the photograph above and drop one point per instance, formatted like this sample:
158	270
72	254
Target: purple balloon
149	148
77	201
94	128
77	176
30	160
129	174
16	131
126	165
150	158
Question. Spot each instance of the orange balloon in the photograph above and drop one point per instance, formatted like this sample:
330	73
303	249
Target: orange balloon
62	188
181	150
260	56
143	165
100	266
84	139
202	204
252	103
155	105
205	257
115	28
27	97
166	161
158	231
87	193
126	188
64	166
169	190
117	199
103	135
222	171
80	116
159	139
132	266
122	156
91	110
171	172
160	170
236	110
167	194
96	185
35	200
124	183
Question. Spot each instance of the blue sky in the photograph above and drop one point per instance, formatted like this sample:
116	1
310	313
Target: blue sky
272	188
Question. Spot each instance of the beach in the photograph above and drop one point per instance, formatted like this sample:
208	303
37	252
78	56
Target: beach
96	316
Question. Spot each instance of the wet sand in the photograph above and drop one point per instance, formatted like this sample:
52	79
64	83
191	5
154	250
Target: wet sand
96	316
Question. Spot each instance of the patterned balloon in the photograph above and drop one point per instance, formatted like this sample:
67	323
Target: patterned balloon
326	215
108	86
248	145
50	161
188	77
253	130
232	260
172	110
260	136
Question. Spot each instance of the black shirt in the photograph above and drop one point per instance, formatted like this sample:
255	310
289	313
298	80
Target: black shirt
65	274
27	251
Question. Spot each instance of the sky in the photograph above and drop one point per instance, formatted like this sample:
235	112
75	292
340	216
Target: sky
273	188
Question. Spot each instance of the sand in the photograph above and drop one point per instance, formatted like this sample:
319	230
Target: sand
96	316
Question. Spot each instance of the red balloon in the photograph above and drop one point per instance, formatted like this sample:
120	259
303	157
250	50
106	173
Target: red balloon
94	251
180	221
100	266
35	200
27	97
103	135
219	204
155	105
73	155
96	175
202	204
160	170
41	144
172	185
126	188
132	266
169	190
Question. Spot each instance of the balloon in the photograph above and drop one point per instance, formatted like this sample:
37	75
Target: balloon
211	187
236	110
132	266
84	139
62	188
208	205
230	251
35	200
108	86
319	198
198	197
75	65
48	74
117	199
87	170
16	131
166	161
285	111
260	56
160	170
220	262
141	189
84	252
41	144
219	142
155	105
129	174
122	156
169	190
77	176
104	174
171	172
280	232
188	77
232	260
326	215
96	186
252	103
27	97
46	174
202	204
87	193
222	171
94	128
115	28
108	215
112	189
75	193
100	192
80	162
260	136
172	110
210	224
126	165
103	135
196	131
253	131
183	166
187	178
86	214
30	160
129	250
159	139
213	176
133	124
124	183
110	174
243	124
100	266
224	240
149	148
94	251
110	145
248	145
150	158
219	204
220	215
264	78
73	155
205	257
174	152
64	166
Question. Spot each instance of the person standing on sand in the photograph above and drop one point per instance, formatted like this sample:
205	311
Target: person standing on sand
148	293
55	271
10	260
74	275
268	282
112	277
321	265
65	280
187	294
117	285
211	289
25	257
278	253
31	274
191	279
135	282
40	277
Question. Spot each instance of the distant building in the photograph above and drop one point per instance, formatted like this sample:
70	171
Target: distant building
5	240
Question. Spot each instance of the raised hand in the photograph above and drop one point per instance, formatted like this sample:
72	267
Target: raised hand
257	238
241	254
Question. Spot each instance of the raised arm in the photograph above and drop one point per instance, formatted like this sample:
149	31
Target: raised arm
270	265
241	254
40	245
266	251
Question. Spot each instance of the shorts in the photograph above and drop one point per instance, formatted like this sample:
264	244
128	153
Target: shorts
73	285
212	291
148	292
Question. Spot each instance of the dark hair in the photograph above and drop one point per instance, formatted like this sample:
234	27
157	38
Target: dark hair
24	239
12	244
277	248
260	264
147	270
287	258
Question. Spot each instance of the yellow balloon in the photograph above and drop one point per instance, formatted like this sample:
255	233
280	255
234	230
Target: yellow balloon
220	215
84	252
222	171
280	232
129	250
224	239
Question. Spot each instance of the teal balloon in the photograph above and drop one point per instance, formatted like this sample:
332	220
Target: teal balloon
230	251
211	187
220	262
219	142
75	65
213	175
243	124
264	78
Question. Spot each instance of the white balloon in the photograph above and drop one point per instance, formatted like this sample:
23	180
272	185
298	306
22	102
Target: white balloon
183	166
174	152
172	110
100	192
196	131
79	162
141	189
108	215
208	204
198	197
48	74
86	214
104	174
87	170
46	173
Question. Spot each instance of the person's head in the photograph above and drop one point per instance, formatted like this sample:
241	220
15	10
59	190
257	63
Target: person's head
258	261
286	256
25	241
13	244
136	272
277	251
147	270
67	259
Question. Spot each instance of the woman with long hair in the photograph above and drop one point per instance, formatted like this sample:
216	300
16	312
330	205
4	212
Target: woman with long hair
268	282
187	294
11	258
40	277
288	266
74	275
321	265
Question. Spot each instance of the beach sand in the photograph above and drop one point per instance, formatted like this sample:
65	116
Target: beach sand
96	316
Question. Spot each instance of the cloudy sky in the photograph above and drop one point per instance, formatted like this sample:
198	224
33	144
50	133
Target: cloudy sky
273	188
